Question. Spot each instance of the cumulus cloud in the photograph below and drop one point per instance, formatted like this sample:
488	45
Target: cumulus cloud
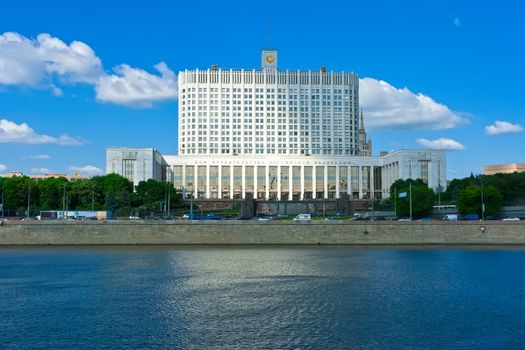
387	107
37	156
2	168
136	87
11	132
48	61
88	170
502	127
441	143
38	62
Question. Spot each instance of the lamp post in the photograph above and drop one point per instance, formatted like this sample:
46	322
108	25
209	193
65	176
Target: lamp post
92	197
410	190
169	198
28	199
395	200
64	203
165	200
191	205
482	200
3	203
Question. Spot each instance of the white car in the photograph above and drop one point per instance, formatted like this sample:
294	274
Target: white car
303	217
512	219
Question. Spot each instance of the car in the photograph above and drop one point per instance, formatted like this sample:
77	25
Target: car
451	217
264	218
425	219
405	219
134	217
303	217
205	217
471	217
511	219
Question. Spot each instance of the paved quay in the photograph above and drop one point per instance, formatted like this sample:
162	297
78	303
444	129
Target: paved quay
254	232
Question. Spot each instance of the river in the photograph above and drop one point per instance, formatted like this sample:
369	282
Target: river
262	297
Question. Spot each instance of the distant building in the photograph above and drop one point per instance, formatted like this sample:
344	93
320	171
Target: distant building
76	176
503	168
136	164
365	143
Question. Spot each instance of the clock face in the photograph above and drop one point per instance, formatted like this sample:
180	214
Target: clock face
270	59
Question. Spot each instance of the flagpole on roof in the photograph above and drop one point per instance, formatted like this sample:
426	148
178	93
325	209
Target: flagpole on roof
395	200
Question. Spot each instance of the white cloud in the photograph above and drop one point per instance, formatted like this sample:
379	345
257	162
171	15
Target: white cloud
502	127
37	62
37	156
10	132
88	170
47	61
441	143
40	171
387	107
2	168
137	88
457	22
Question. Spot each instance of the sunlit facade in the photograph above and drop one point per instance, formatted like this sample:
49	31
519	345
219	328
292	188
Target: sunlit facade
282	135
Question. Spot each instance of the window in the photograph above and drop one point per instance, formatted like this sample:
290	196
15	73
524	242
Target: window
128	168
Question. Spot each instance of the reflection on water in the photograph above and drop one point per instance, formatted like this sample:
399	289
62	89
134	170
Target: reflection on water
262	297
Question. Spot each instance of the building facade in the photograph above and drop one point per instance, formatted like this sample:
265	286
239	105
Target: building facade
503	168
136	164
282	135
303	177
76	176
267	112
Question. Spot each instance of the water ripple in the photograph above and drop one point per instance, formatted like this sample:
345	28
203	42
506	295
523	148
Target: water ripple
262	298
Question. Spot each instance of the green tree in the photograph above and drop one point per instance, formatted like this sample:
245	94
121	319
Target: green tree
113	192
15	196
51	193
152	195
81	194
469	200
422	198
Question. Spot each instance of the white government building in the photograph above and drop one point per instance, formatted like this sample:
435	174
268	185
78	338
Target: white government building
273	134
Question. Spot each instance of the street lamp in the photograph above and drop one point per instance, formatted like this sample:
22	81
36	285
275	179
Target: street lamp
92	197
482	200
64	202
28	198
3	203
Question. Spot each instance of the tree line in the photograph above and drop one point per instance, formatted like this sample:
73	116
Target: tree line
109	192
117	194
465	193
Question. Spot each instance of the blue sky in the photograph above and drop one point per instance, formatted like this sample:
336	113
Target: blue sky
462	64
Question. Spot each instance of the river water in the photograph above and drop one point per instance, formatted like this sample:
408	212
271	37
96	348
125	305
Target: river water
262	298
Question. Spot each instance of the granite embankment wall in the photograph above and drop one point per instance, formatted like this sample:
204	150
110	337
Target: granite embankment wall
271	232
